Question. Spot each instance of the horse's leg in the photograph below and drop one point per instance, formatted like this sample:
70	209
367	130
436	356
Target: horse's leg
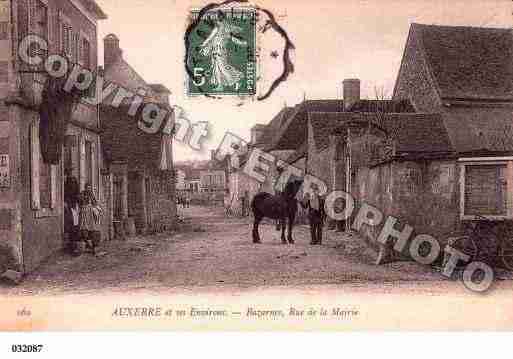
292	218
283	222
256	236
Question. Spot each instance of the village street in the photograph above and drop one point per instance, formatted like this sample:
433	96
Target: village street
212	251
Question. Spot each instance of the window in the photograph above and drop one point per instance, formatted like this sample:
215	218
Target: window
68	38
485	190
84	50
43	178
41	19
38	20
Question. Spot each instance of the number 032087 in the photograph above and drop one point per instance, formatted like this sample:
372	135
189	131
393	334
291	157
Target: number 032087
27	348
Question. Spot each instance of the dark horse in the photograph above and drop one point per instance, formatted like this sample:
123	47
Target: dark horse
281	207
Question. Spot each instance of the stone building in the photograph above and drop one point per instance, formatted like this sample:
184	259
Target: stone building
31	189
141	163
450	162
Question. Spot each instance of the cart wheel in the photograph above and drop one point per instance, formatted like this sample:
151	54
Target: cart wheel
506	254
488	249
465	245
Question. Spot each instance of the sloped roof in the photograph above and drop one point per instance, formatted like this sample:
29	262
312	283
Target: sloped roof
468	62
413	132
418	132
122	140
388	106
325	124
480	128
300	153
274	126
93	7
294	131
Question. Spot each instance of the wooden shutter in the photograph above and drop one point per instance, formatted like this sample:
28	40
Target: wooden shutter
23	19
82	162
53	186
35	155
94	169
485	190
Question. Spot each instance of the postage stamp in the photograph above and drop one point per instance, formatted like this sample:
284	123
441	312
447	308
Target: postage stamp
221	53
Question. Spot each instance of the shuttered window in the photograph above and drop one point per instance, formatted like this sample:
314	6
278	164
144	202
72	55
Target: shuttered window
486	190
67	39
84	52
43	178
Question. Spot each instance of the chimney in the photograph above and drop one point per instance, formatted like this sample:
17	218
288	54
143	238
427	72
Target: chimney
256	134
351	92
111	49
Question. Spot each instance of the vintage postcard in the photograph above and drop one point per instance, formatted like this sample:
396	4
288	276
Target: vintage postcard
329	165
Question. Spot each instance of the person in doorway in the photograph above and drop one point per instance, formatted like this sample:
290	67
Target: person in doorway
71	214
90	219
314	203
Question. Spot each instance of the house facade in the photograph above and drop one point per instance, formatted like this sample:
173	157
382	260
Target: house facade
450	163
32	189
141	163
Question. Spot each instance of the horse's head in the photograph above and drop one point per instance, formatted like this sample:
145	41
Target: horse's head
292	188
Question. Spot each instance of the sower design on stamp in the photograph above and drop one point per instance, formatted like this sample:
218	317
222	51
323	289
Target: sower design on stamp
222	52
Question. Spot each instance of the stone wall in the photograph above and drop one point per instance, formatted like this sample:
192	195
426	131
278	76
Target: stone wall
414	81
422	194
162	204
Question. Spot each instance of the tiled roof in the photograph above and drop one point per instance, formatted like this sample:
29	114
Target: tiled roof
413	132
387	106
468	62
93	6
480	128
325	124
274	126
122	140
300	153
418	133
293	133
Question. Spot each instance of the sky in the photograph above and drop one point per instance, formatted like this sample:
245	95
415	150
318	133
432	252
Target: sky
334	40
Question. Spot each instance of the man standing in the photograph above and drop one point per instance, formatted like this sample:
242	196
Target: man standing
315	205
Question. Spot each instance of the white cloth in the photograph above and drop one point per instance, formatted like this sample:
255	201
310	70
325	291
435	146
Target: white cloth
76	217
314	202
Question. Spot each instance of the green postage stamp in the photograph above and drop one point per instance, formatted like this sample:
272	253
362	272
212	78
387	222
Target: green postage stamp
221	57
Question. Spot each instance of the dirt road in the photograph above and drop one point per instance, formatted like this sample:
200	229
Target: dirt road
214	251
